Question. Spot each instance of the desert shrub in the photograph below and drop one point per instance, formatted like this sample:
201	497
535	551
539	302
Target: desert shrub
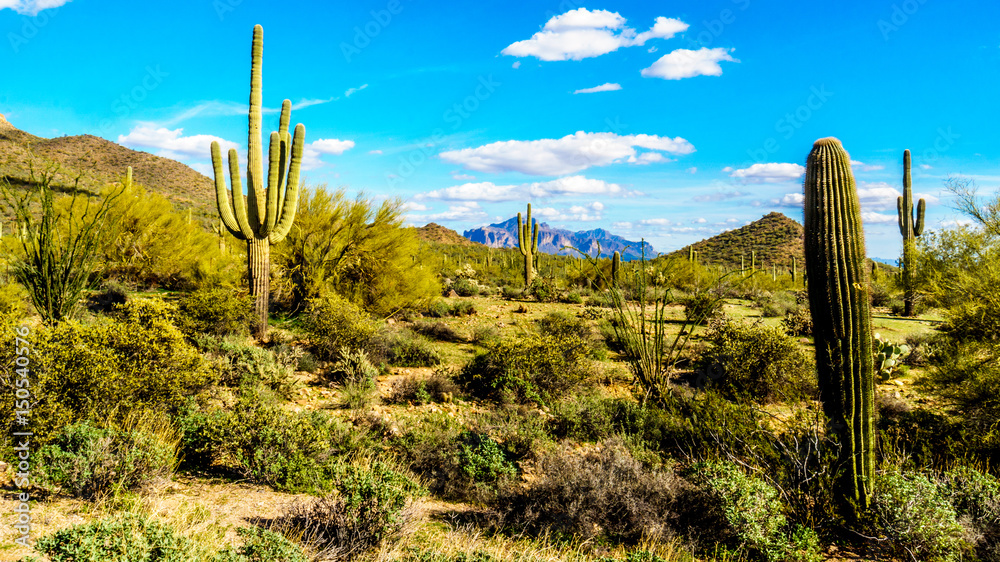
976	499
746	513
701	307
526	368
967	375
242	363
483	460
564	325
909	516
262	545
881	294
510	293
541	290
422	390
798	322
438	331
13	301
754	361
119	538
260	442
111	295
368	508
925	437
333	322
600	300
218	311
974	320
462	308
403	348
484	335
572	297
442	309
308	362
774	305
355	374
600	492
87	461
465	287
136	360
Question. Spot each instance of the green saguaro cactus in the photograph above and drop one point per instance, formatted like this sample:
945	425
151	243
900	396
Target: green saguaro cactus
910	228
268	212
795	269
527	242
616	267
841	313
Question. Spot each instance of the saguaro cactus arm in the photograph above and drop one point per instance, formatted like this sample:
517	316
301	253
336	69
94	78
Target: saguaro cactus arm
289	197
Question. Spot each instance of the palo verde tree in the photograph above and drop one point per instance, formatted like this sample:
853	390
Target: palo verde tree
267	215
841	312
910	227
60	241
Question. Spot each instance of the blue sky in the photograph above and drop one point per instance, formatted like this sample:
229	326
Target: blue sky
664	121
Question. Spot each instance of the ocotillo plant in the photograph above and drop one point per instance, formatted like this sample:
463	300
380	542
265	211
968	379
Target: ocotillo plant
527	242
267	215
910	228
616	266
841	313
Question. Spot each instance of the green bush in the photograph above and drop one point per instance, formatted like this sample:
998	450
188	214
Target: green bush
798	322
911	517
746	513
511	293
264	444
702	307
218	311
483	460
132	538
420	390
333	322
465	288
404	348
137	360
976	499
442	309
526	368
119	538
262	545
541	290
564	325
367	509
88	462
572	297
244	364
601	492
438	331
755	361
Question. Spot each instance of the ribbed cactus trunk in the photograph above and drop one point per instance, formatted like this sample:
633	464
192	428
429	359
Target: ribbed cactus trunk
910	228
841	312
527	242
266	216
616	266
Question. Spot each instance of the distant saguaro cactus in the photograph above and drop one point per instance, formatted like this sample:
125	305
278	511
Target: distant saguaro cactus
910	228
267	215
527	242
616	268
841	312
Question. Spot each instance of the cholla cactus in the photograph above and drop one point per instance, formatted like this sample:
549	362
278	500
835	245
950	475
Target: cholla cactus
267	215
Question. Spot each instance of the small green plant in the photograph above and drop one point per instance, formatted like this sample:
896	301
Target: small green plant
218	311
404	348
262	545
87	461
887	356
465	287
118	538
483	460
333	322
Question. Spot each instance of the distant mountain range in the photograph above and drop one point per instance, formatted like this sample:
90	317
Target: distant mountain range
558	241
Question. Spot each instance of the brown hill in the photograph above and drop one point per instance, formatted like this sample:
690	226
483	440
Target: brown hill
774	238
98	162
433	232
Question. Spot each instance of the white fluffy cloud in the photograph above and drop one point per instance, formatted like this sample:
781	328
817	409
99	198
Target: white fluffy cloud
772	172
581	33
685	63
172	143
311	152
489	191
880	196
793	200
590	212
572	153
866	167
870	217
470	211
31	7
606	87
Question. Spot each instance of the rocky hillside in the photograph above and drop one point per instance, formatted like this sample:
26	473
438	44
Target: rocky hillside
433	232
774	237
554	240
98	162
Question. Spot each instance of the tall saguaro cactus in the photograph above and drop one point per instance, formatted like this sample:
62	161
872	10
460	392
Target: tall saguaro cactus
910	228
616	266
267	215
527	242
841	312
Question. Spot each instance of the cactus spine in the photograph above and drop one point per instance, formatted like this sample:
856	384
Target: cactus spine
616	266
839	301
267	215
910	228
527	242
